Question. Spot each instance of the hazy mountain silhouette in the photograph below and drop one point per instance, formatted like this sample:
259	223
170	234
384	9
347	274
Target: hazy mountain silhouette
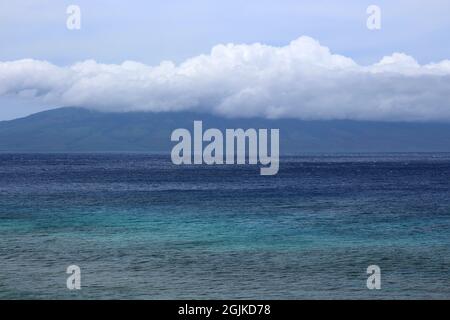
82	130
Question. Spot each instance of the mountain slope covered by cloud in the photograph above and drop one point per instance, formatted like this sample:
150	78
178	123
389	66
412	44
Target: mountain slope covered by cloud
83	130
303	80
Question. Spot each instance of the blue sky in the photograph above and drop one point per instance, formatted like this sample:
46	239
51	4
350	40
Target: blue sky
152	31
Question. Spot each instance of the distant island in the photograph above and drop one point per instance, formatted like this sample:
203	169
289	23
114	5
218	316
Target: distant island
83	130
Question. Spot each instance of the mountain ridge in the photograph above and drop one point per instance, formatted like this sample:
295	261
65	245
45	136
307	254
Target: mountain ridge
71	129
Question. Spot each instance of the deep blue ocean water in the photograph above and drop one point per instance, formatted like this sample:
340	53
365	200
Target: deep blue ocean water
142	228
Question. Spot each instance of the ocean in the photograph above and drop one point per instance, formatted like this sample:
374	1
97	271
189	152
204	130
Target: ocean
140	227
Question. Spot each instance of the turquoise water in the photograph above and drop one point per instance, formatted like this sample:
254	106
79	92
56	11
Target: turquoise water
142	228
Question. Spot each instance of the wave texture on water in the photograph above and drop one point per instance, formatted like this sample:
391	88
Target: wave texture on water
142	228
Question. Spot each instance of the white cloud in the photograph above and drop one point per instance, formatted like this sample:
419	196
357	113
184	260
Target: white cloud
301	80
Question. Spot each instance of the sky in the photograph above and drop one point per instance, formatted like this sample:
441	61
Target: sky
303	59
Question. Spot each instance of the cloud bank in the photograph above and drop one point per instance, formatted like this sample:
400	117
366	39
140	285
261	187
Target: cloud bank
301	80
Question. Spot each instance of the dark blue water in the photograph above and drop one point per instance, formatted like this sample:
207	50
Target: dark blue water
140	227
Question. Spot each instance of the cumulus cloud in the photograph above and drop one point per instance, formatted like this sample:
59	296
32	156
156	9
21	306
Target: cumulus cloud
300	80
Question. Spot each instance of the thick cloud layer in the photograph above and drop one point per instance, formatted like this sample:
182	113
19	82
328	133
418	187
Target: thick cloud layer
301	80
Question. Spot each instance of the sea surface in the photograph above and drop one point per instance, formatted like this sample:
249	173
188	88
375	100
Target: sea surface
140	227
